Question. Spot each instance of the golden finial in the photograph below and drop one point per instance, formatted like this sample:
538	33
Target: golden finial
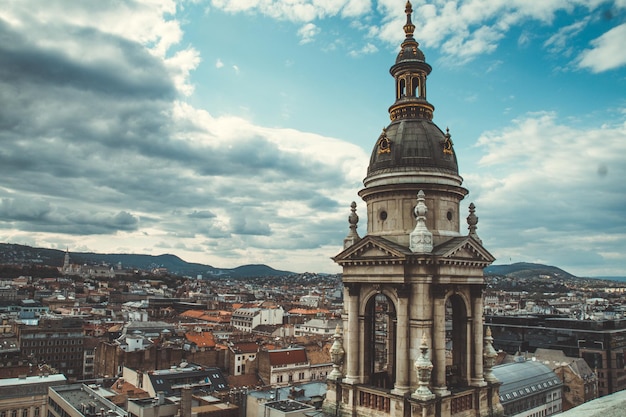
409	28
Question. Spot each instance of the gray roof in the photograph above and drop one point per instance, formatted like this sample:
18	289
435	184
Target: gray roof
521	379
302	392
416	146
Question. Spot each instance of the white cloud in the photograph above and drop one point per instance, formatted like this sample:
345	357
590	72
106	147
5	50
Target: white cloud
180	65
607	51
297	10
355	8
367	49
307	33
116	161
556	189
461	29
561	42
219	63
470	28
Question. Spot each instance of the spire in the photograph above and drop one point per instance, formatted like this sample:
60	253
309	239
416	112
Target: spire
410	72
352	236
472	221
409	27
421	240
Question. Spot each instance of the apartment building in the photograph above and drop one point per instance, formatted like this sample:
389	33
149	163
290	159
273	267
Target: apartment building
283	367
56	342
27	396
246	319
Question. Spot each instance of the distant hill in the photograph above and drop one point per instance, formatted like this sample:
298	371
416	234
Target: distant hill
12	253
527	270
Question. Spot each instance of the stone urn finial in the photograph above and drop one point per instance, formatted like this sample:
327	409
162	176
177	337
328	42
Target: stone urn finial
472	221
336	355
421	240
353	220
424	368
489	355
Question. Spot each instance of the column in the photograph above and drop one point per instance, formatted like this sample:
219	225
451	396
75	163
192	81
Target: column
439	341
403	365
477	341
352	351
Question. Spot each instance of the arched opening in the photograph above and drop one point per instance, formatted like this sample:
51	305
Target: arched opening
401	88
380	337
457	358
415	84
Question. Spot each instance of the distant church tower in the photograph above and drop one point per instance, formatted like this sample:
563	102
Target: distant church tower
66	261
412	342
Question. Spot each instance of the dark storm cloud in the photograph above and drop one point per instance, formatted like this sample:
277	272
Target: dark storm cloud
37	214
201	214
22	62
96	139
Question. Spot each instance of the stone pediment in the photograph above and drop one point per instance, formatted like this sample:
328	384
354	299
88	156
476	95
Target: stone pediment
463	248
372	248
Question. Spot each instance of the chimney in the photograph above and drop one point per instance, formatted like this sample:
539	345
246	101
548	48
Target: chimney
185	401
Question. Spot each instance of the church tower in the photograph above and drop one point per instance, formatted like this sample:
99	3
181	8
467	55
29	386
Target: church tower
412	342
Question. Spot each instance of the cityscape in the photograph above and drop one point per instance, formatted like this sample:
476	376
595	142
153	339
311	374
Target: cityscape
101	325
404	313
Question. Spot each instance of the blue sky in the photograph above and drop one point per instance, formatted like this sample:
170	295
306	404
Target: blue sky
236	132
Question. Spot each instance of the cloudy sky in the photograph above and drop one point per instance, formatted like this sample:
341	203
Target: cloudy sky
230	132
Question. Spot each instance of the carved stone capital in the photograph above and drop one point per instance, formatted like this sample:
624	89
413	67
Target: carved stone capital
403	290
477	291
438	291
354	288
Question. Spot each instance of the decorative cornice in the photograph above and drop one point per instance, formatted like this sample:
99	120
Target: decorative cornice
414	260
411	111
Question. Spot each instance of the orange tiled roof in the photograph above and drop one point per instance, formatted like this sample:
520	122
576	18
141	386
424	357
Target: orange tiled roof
221	317
201	339
245	347
194	314
287	357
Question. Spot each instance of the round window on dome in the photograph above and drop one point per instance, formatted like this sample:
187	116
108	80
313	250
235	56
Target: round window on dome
449	215
382	215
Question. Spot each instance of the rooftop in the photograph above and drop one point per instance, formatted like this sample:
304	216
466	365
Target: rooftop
85	400
609	406
29	380
288	405
520	379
